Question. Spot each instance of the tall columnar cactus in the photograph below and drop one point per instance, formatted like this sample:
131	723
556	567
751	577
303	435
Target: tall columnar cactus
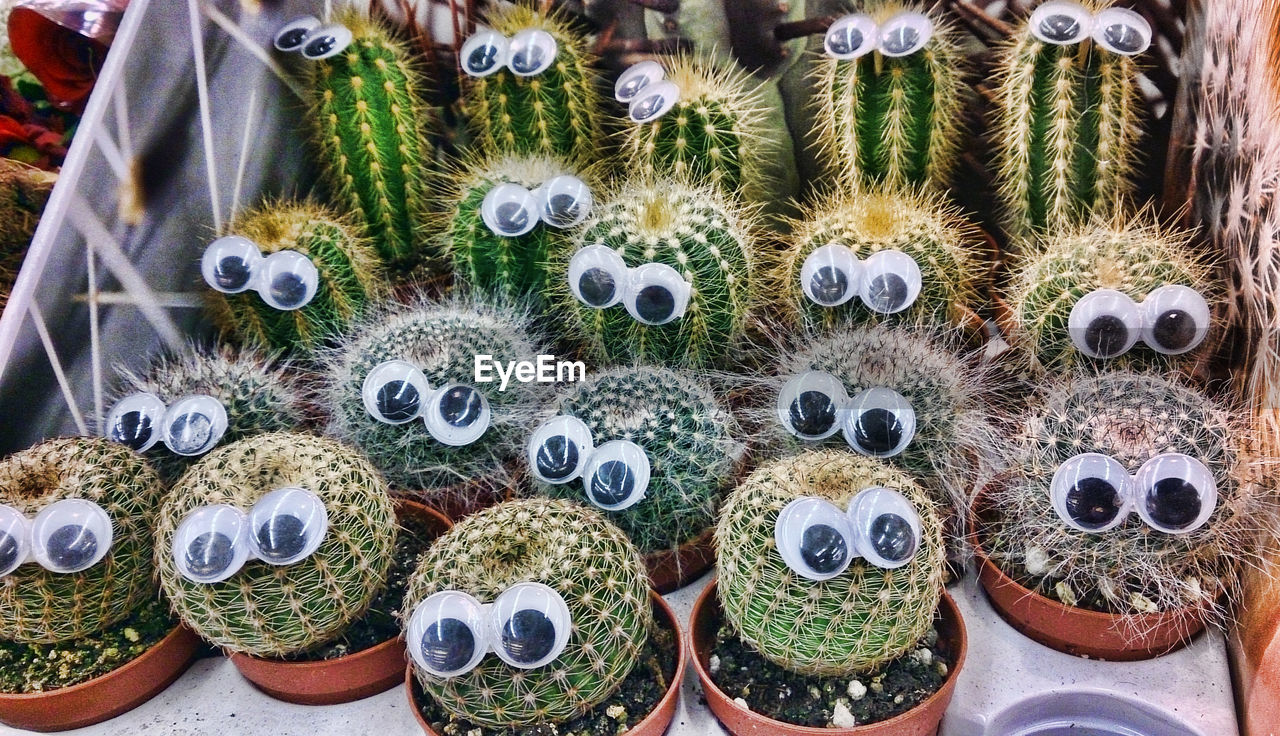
588	562
41	605
271	610
851	623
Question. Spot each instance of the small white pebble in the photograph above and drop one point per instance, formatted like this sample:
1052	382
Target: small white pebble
741	703
942	668
876	687
814	693
856	690
841	716
1143	604
616	712
1036	560
897	700
713	664
1065	593
922	655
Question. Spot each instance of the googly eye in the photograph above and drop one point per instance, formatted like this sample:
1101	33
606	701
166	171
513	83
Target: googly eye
1060	22
905	34
831	275
814	538
14	536
211	544
287	280
886	527
394	392
457	415
879	422
617	475
636	78
291	37
70	535
891	282
509	210
1104	324
1176	319
598	276
484	53
326	41
559	449
1091	492
810	405
532	52
653	102
1122	31
134	421
448	634
566	201
532	625
287	525
657	294
850	37
193	425
1176	494
229	263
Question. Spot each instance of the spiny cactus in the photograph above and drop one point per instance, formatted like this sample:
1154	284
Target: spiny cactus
587	561
40	605
851	623
268	610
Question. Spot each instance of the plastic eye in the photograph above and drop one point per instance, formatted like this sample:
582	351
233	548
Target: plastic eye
617	475
14	534
1122	31
193	425
457	415
484	53
532	625
886	527
653	102
326	41
287	280
1091	492
809	405
598	276
228	264
559	449
850	37
566	201
637	77
393	392
905	34
880	422
814	538
70	535
831	275
1104	324
532	52
1060	23
286	525
211	544
657	294
448	634
509	210
891	282
1176	494
1176	319
134	420
291	37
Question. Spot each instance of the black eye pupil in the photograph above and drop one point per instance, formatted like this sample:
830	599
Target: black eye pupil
632	86
8	551
597	286
648	106
132	429
1122	37
563	206
846	41
190	433
812	413
1060	27
887	292
528	59
655	303
612	483
557	457
461	406
1107	335
823	548
900	40
292	38
892	537
878	430
828	285
321	45
1174	503
528	636
398	400
483	58
232	273
209	554
1093	503
281	537
1174	329
289	289
512	216
71	546
448	644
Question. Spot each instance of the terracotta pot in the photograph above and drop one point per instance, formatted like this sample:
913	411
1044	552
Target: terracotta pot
107	696
673	569
921	720
654	724
344	679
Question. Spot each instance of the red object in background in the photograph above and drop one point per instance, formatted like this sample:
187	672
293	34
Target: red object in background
63	43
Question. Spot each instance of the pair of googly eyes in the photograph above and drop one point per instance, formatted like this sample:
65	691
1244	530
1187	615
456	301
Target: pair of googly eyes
312	39
286	280
64	537
397	392
214	542
877	422
653	293
526	54
1106	323
888	282
510	210
818	541
450	632
1173	493
646	91
857	35
1118	30
615	475
190	426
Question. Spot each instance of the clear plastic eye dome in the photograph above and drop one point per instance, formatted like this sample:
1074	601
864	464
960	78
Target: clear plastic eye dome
531	52
531	625
448	634
657	294
211	544
1061	22
193	425
904	34
831	275
1175	494
70	535
566	201
509	210
394	392
287	280
14	539
457	414
559	449
1104	324
850	37
229	264
1122	31
891	282
886	527
1176	319
598	276
814	538
484	53
616	476
810	405
287	525
1091	492
879	422
636	78
326	41
294	33
135	421
654	101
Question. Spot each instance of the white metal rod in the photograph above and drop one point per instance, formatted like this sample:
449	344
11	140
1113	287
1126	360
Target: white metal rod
206	115
34	310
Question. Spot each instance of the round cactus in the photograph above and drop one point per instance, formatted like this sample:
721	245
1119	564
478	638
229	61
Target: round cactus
588	562
271	610
853	622
42	605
